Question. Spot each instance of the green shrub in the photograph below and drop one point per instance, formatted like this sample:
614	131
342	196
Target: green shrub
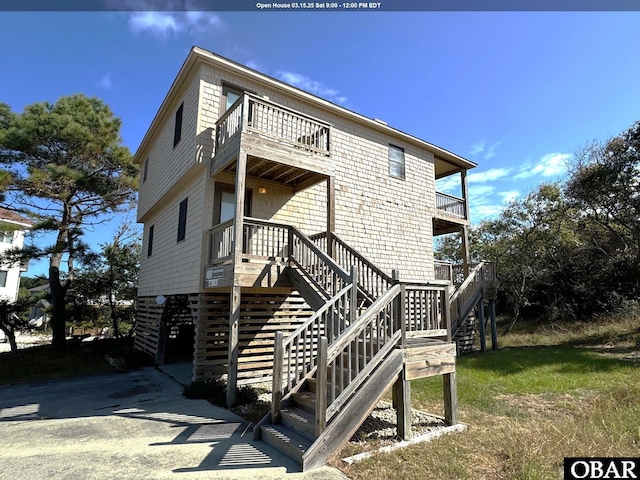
215	391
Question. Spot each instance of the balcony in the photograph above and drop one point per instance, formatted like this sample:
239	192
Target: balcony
283	145
451	213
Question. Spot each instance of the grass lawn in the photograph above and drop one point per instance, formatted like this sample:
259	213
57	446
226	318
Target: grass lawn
556	392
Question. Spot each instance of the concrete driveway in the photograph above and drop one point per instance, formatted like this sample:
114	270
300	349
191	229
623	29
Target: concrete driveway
129	426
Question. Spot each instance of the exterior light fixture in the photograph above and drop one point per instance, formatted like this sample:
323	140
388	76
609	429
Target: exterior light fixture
262	190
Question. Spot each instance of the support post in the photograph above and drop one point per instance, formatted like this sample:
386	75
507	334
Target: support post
450	398
464	234
483	333
278	367
331	214
353	300
321	387
235	298
494	329
402	397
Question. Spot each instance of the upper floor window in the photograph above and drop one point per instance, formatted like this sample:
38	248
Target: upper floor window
145	170
182	219
229	96
150	242
396	161
177	133
6	236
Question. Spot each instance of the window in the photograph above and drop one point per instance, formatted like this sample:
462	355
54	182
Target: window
396	161
225	203
6	236
229	96
177	133
182	219
150	243
145	170
3	278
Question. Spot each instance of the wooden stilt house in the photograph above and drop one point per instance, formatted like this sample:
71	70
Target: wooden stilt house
289	240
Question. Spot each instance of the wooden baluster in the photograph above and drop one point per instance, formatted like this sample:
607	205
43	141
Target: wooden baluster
278	365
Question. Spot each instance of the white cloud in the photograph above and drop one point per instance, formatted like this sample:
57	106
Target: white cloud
481	212
487	176
550	165
448	184
477	148
312	86
105	82
491	152
253	65
509	196
481	147
155	22
164	23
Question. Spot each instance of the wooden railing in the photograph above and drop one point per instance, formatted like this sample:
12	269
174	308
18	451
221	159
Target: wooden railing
221	241
450	205
265	239
251	113
464	298
372	281
319	267
427	312
294	358
443	270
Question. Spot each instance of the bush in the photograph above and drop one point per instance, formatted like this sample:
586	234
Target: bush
215	391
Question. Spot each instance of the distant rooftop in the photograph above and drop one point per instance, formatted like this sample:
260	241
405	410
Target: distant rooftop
13	217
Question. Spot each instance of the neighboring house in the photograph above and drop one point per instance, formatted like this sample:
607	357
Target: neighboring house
290	239
13	227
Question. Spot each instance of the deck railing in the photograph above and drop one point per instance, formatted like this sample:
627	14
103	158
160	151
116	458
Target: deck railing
450	206
221	241
443	270
251	113
427	310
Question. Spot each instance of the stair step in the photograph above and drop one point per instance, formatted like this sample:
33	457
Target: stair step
299	420
311	385
305	400
286	440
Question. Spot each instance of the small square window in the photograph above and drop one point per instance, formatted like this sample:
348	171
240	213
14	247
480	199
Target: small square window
177	133
6	236
396	162
182	219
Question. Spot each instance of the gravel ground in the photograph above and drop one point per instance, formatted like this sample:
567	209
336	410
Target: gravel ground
379	429
380	426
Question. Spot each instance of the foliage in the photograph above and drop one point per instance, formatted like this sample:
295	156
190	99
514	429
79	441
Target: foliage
215	390
569	250
107	284
528	407
65	168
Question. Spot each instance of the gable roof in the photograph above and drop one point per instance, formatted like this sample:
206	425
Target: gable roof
199	55
12	217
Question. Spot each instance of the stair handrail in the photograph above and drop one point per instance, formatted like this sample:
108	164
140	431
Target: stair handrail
467	294
387	332
340	308
341	277
371	279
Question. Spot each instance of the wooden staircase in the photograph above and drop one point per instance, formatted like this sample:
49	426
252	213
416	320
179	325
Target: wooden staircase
370	332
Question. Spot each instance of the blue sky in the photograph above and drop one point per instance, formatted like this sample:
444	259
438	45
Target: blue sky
516	92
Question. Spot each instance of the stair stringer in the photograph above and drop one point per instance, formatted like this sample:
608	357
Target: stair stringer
303	285
347	421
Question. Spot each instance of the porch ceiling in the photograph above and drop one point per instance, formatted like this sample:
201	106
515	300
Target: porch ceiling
295	177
